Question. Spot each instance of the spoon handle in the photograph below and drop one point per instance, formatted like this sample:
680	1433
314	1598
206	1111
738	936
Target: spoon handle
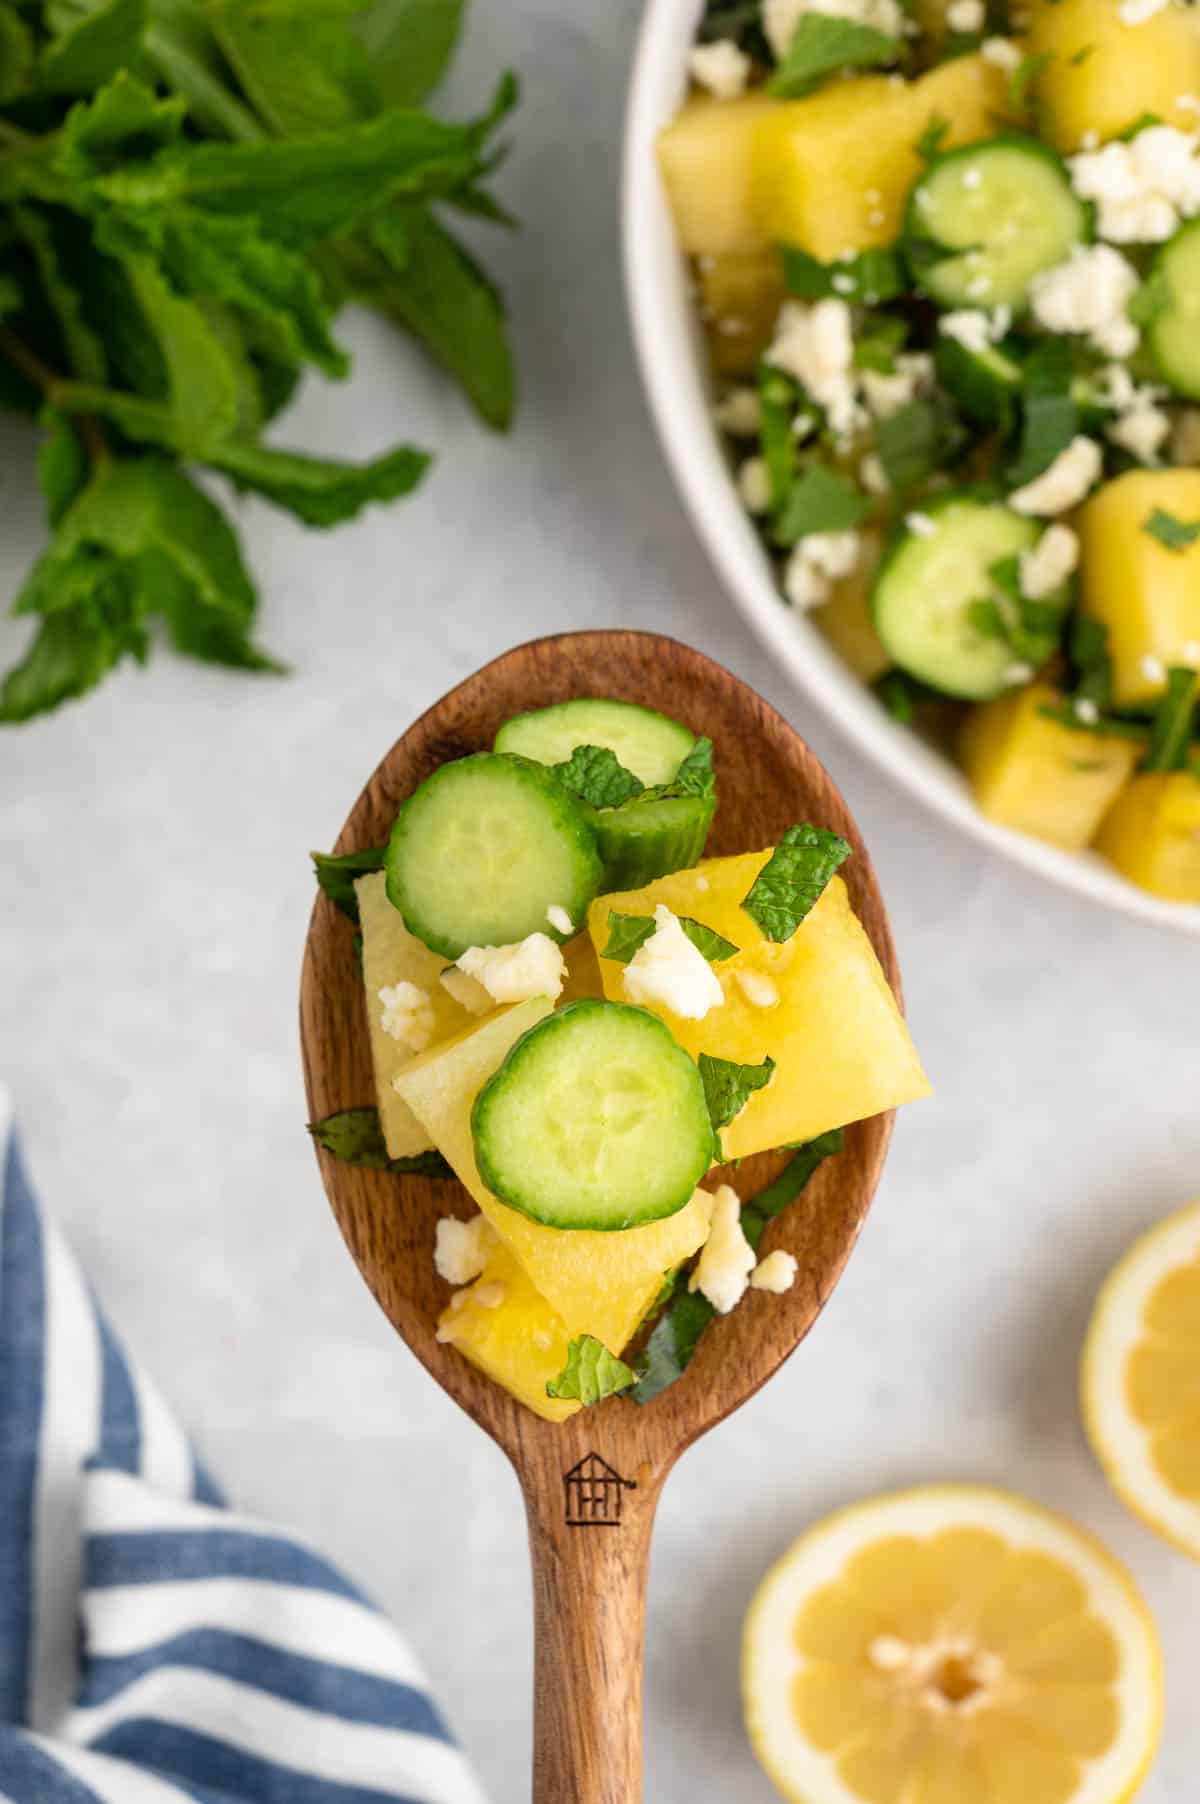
589	1533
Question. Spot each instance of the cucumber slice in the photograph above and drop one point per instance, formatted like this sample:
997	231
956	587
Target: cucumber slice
985	384
1174	333
924	588
483	848
648	744
1001	212
650	837
596	1119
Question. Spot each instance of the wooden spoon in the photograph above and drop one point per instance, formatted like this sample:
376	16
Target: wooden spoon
591	1484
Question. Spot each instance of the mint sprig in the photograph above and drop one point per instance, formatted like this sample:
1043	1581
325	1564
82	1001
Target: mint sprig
794	878
822	44
596	775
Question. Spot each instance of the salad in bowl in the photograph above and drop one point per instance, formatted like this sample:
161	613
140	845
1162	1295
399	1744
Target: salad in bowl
945	265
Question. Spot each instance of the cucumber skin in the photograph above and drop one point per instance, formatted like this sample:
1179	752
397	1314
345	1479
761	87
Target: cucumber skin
898	543
479	1126
1187	385
634	855
574	817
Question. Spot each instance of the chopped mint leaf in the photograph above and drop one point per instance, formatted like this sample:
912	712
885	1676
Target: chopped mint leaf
901	694
1050	416
985	617
1151	299
1024	79
820	501
873	276
694	776
1088	652
1106	726
336	872
595	774
876	345
777	396
1081	55
823	44
1171	733
591	1373
787	1186
793	879
628	933
916	440
672	1345
929	144
356	1137
1142	123
1172	533
729	1086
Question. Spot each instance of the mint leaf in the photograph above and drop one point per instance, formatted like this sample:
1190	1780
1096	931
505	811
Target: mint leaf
627	934
672	1345
873	276
916	440
820	501
1171	733
74	647
302	66
103	39
1172	533
16	54
62	464
1050	417
1152	299
929	144
202	381
318	490
694	777
729	1086
1088	651
591	1373
336	872
1024	79
901	694
793	879
125	119
781	1194
410	44
876	345
37	228
595	774
823	44
355	1136
777	398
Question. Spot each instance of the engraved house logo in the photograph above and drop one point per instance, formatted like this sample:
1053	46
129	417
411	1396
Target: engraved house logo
595	1493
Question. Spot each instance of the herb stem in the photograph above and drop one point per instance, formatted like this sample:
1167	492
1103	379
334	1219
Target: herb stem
56	390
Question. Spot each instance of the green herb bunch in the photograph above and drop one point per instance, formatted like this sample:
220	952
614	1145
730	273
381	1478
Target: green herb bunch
189	192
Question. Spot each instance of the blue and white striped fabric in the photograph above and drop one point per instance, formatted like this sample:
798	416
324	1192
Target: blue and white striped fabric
156	1648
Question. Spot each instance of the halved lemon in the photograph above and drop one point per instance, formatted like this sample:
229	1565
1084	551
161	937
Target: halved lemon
1141	1379
951	1645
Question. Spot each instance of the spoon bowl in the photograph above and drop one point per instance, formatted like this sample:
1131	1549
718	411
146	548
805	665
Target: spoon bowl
591	1484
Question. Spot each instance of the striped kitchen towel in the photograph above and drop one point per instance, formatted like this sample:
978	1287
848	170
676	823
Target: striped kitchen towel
156	1648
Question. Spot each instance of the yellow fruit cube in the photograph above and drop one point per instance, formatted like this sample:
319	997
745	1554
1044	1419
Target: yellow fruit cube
1152	834
704	156
600	1284
1040	776
1103	74
517	1340
841	1048
1145	594
740	298
391	955
832	172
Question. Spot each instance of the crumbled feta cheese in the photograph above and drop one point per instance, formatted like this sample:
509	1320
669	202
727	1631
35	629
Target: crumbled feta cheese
1142	186
965	15
1086	710
886	392
468	992
667	969
815	344
1153	669
461	1248
803	426
1191	651
1019	673
922	526
781	17
1066	482
1002	53
776	1273
1185	439
559	919
754	485
532	967
407	1015
721	68
1136	12
739	413
1143	431
818	561
873	476
727	1259
843	282
759	990
1049	563
974	329
1089	294
489	1296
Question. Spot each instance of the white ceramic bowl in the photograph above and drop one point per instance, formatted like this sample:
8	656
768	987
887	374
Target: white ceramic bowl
672	363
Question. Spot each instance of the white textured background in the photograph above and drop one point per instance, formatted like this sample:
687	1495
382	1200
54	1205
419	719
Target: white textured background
154	893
